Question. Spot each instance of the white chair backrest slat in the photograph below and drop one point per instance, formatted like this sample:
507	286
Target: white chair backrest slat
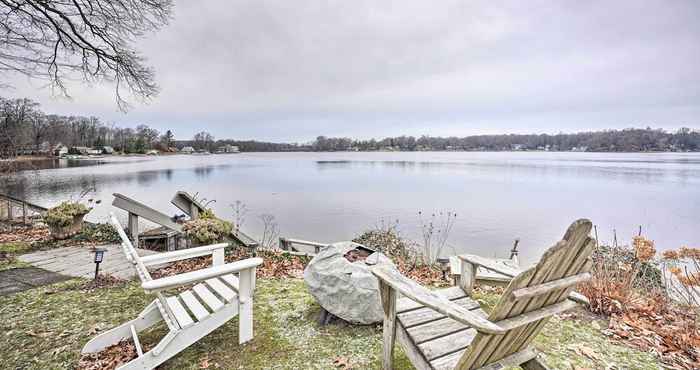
130	252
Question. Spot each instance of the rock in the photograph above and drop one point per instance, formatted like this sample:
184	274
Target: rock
346	289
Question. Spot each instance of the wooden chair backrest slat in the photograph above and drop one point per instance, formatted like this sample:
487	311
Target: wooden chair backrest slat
566	258
142	272
130	252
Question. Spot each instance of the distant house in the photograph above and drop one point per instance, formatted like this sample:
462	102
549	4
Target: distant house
92	151
59	150
107	150
227	149
187	150
45	148
80	150
518	147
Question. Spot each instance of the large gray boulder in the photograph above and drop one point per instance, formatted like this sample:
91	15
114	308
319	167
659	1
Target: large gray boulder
346	289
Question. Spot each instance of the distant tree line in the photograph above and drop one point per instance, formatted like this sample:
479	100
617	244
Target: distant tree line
205	141
627	140
25	129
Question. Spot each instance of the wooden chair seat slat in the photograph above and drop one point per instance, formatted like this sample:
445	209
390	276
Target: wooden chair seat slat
424	315
438	328
181	315
451	293
208	297
193	305
447	344
231	280
221	289
448	362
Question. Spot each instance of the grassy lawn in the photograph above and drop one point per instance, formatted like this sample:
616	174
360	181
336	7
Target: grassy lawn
45	328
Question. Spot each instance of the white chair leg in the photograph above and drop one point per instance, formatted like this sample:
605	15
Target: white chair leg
245	306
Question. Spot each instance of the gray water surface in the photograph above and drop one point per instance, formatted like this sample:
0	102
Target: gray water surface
328	197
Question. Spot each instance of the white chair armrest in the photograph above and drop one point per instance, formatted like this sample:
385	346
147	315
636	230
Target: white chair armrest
160	258
200	275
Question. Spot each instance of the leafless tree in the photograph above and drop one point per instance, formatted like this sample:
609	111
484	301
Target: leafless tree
203	140
62	39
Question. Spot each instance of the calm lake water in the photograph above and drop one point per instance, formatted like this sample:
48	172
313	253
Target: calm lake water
335	196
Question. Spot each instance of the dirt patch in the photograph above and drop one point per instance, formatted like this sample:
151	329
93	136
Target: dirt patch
103	282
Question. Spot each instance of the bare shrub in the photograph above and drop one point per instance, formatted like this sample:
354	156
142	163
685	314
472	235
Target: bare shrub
270	231
619	273
239	212
435	230
681	270
385	238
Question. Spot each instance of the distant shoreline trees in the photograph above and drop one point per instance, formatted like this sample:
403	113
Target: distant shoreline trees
626	140
25	129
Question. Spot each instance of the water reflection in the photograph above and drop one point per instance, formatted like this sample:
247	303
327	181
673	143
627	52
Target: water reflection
630	173
31	184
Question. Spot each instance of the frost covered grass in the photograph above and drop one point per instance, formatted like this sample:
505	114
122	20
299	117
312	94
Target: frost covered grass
45	328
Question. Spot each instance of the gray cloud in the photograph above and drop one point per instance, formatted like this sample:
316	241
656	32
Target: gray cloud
287	70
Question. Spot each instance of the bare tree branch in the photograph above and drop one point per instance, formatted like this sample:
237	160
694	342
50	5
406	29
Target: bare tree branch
89	39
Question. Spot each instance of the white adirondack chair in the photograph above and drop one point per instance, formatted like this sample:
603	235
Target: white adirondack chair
217	297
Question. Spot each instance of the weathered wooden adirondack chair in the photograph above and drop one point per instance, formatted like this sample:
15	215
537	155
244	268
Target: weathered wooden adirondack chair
217	297
184	202
447	329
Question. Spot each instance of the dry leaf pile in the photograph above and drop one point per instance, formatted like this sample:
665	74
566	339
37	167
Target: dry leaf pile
13	233
625	287
653	325
102	282
275	264
109	358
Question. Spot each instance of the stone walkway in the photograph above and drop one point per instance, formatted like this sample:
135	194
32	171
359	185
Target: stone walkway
79	261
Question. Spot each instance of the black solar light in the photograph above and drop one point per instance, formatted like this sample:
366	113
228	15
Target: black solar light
444	266
99	256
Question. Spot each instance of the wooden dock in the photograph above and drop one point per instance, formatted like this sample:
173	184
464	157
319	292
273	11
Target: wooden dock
79	261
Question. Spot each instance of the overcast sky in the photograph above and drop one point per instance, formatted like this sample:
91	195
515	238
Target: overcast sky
292	70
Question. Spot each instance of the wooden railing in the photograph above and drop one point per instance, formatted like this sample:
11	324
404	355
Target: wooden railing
11	207
287	244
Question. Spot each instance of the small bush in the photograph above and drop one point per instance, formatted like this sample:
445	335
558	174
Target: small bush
98	233
207	229
387	241
620	274
63	214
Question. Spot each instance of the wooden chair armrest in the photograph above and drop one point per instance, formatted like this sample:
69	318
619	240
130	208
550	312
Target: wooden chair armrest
243	239
489	264
200	275
160	258
420	294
